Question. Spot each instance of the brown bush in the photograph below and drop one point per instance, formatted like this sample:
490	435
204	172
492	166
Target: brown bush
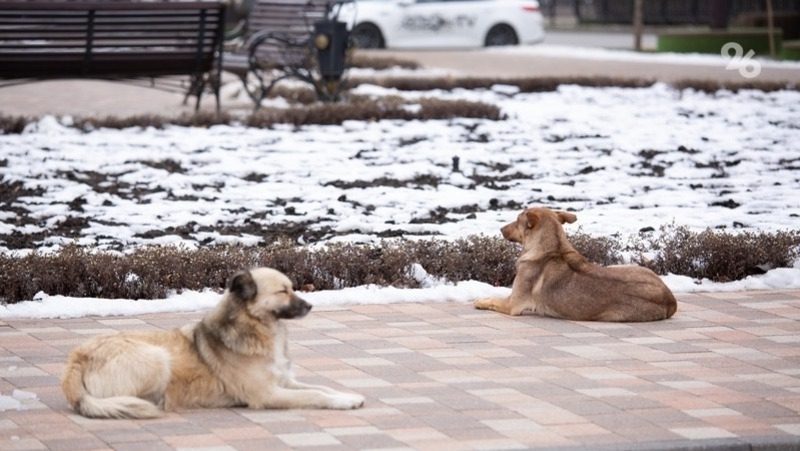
525	84
546	84
360	108
152	272
718	255
601	250
711	86
11	125
362	61
198	119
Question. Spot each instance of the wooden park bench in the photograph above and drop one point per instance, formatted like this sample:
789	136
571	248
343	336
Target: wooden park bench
298	39
113	40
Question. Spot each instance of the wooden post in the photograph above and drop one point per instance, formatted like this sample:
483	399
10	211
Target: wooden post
771	29
638	25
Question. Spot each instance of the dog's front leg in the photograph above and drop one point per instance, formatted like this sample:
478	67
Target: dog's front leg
521	298
294	384
286	398
501	305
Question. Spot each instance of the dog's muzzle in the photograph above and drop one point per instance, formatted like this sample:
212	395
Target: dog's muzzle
297	308
509	232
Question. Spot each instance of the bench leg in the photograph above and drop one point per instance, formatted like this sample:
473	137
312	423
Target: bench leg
201	86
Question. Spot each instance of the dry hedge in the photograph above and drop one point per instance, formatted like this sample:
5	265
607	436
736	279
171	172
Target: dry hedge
716	255
152	272
358	108
362	61
546	84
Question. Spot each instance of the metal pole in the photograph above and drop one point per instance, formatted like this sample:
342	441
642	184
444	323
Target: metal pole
638	25
771	29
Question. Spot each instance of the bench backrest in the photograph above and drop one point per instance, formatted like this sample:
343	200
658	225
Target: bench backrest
290	19
102	38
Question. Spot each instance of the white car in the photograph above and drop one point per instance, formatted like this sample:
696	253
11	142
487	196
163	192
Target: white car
442	23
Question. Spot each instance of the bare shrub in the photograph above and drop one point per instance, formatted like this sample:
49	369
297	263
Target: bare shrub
546	84
364	109
719	255
154	271
12	125
363	61
525	84
712	86
601	250
483	258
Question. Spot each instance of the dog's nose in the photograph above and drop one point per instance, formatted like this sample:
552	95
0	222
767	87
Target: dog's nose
302	306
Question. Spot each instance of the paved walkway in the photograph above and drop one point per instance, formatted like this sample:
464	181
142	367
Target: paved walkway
723	373
103	98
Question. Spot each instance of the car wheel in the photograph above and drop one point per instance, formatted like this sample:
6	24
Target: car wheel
367	36
501	34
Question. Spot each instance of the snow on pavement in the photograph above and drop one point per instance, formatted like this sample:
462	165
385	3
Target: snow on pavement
44	306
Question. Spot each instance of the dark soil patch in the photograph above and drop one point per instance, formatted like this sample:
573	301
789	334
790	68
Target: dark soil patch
11	191
109	184
69	228
270	233
418	182
562	138
650	169
730	203
169	165
495	181
255	177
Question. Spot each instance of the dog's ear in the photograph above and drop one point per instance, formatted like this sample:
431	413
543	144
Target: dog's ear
566	217
532	218
242	286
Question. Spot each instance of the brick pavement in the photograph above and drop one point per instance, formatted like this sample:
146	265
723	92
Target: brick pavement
723	373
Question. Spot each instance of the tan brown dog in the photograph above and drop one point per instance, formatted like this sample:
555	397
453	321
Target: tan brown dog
553	279
235	356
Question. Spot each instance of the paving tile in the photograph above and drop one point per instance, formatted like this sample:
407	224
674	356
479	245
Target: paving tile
793	428
193	440
703	433
444	376
310	439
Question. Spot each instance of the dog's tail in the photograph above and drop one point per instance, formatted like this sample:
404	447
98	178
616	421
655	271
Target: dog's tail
93	407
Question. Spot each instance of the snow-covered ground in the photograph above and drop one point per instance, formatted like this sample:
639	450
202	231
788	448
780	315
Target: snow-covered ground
624	159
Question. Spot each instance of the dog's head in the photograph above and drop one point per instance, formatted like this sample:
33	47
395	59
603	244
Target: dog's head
533	220
265	292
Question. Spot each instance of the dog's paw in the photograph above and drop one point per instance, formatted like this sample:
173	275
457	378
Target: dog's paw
483	304
347	401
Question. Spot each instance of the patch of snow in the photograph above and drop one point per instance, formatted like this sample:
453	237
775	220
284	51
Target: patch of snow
9	403
775	279
434	290
45	306
21	395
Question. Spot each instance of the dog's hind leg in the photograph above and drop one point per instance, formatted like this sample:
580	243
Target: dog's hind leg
124	379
